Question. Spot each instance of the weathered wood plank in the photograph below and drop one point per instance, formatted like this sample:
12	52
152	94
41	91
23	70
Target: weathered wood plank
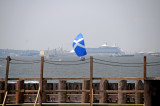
66	78
66	90
118	78
94	78
23	78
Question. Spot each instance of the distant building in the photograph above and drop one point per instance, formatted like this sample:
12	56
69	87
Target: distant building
12	52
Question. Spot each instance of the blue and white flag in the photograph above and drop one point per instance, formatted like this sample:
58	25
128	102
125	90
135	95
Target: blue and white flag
79	46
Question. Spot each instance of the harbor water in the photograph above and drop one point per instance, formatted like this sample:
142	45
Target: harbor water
70	66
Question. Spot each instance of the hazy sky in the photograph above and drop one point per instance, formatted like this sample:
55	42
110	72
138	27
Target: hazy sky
133	25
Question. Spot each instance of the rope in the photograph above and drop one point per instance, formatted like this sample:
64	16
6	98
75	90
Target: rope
24	62
2	58
78	62
123	64
153	62
154	65
65	63
17	61
115	64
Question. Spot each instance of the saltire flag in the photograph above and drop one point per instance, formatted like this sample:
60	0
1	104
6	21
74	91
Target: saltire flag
79	46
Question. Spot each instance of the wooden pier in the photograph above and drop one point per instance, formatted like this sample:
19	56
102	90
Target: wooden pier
74	92
84	93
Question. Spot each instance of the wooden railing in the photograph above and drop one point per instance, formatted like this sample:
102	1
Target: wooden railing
37	96
84	92
4	101
61	89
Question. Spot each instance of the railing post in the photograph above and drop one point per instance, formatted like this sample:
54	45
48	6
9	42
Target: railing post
122	85
145	69
6	77
62	95
41	81
151	91
85	95
91	78
1	94
138	96
45	87
19	94
7	72
103	95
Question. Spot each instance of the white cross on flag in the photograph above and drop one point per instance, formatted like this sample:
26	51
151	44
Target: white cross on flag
79	46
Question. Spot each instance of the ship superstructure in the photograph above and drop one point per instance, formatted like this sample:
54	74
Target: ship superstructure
105	49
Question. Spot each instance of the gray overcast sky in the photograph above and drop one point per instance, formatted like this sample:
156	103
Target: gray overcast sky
133	25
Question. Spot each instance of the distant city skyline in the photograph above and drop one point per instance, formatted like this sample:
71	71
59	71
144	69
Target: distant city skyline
133	25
